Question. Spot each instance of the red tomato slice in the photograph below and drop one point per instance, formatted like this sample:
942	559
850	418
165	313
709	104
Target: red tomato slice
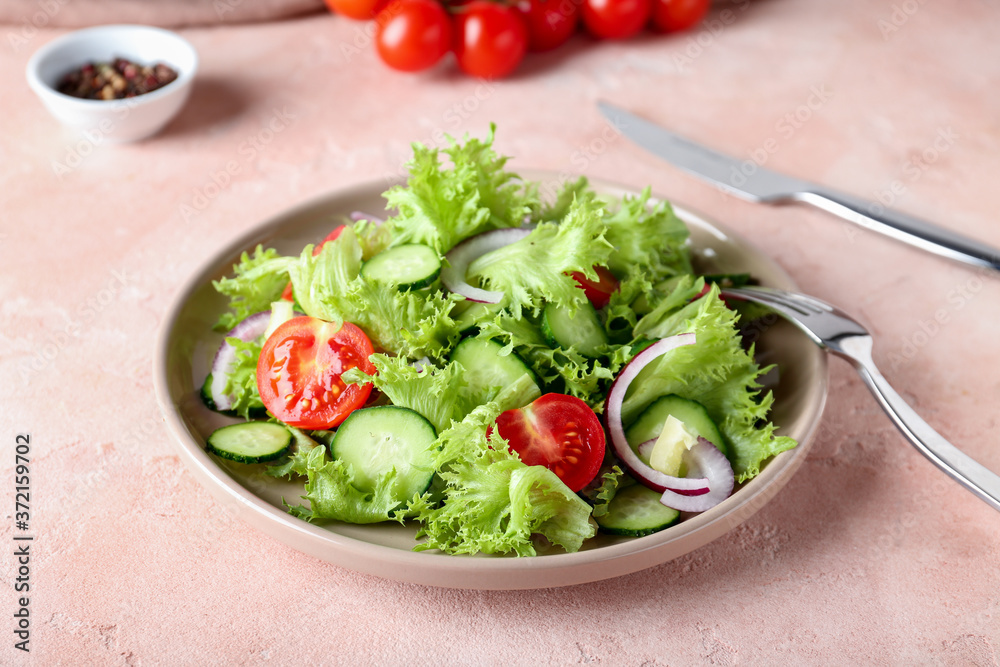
298	374
598	292
559	432
287	293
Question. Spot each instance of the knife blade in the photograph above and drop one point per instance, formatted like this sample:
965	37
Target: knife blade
757	184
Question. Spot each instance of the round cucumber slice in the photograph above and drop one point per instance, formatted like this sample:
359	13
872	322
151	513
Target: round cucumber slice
410	266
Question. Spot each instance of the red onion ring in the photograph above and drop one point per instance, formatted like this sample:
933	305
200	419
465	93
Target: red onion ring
706	460
654	479
461	256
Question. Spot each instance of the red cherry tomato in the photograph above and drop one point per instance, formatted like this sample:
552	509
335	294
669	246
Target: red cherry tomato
298	374
412	35
615	19
362	10
673	15
559	432
490	39
287	294
550	22
598	292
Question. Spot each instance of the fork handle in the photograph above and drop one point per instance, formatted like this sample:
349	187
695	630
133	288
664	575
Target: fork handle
959	466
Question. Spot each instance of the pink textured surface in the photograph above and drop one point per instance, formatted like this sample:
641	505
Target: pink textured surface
868	556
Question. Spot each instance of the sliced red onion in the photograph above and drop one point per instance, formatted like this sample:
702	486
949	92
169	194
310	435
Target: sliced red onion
645	450
461	256
358	216
704	460
654	479
248	330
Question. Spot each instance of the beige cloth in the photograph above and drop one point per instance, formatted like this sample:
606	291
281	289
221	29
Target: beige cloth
165	13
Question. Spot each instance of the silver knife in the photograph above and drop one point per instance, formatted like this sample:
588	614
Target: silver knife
765	186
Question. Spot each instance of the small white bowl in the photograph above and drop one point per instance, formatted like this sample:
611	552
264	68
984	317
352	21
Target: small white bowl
114	121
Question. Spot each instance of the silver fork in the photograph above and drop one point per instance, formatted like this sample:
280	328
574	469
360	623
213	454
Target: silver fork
832	329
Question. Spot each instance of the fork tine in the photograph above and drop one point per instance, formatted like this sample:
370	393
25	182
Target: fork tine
800	303
770	298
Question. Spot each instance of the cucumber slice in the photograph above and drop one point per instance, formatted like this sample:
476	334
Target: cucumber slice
582	331
375	440
694	415
489	375
250	442
636	511
409	266
206	394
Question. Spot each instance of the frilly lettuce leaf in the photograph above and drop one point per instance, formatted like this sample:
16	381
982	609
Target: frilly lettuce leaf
436	393
242	381
668	313
441	207
493	503
332	495
648	240
562	370
297	463
535	269
568	192
440	395
607	490
717	372
257	281
330	286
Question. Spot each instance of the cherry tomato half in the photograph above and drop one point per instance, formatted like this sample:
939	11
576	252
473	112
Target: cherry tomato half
550	23
615	19
361	10
412	35
559	432
298	374
287	294
598	292
490	39
673	15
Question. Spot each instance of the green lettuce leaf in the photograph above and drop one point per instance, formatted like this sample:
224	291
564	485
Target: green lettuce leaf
297	463
436	393
242	381
651	241
332	495
567	193
718	373
493	503
441	207
563	371
257	281
535	269
607	490
330	286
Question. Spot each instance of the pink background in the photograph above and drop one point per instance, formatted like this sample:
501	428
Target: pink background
868	556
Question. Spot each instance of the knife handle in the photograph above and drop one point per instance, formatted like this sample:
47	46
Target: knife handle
902	227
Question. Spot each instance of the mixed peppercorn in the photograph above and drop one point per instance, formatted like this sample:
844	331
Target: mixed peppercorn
115	80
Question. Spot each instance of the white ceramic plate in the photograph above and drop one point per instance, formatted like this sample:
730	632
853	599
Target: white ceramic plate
187	345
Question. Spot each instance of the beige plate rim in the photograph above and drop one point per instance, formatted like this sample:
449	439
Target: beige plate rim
429	568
